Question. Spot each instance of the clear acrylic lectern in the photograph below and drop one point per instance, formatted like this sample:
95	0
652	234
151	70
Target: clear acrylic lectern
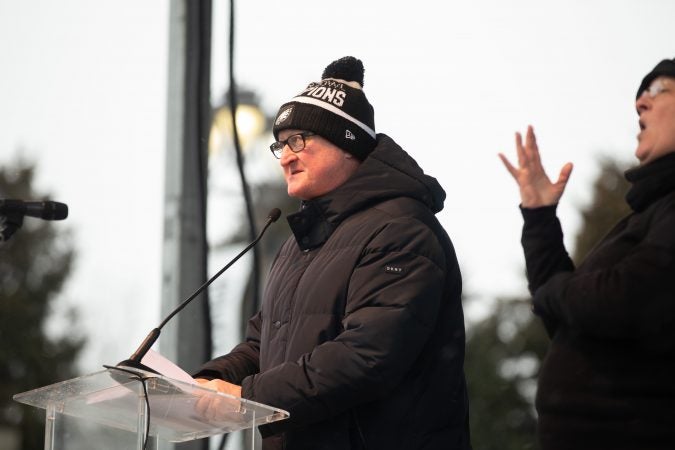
148	405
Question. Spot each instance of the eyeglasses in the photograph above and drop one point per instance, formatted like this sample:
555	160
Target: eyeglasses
656	87
296	142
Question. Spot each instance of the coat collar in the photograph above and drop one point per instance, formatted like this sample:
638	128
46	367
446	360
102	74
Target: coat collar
310	226
651	182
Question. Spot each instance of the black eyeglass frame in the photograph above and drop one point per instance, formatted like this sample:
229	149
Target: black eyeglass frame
277	148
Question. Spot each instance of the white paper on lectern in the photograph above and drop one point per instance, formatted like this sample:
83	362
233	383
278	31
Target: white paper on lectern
155	361
165	367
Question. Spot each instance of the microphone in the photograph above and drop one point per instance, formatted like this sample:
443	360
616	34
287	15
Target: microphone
46	210
134	360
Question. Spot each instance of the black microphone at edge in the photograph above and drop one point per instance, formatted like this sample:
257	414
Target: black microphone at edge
135	360
46	210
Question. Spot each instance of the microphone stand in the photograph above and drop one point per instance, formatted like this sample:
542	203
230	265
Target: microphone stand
9	224
134	360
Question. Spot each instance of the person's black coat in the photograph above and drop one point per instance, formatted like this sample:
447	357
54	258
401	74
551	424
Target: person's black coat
607	381
361	332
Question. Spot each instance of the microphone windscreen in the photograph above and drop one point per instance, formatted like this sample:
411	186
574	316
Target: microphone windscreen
274	214
55	211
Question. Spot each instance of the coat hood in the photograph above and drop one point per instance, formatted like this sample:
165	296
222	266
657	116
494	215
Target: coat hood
391	172
388	172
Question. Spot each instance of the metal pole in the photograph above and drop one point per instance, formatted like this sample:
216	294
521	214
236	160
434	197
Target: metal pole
187	339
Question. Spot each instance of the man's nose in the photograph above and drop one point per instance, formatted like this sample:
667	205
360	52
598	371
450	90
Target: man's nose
287	155
643	102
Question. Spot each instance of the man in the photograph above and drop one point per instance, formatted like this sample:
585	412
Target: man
607	381
361	332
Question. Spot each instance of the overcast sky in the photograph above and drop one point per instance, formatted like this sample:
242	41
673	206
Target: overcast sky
83	93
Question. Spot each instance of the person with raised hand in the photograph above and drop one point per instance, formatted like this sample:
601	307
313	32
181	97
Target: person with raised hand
607	379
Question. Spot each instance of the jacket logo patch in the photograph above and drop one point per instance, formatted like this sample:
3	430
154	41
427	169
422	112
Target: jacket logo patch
397	270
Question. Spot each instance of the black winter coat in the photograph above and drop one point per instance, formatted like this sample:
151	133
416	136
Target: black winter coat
361	332
608	381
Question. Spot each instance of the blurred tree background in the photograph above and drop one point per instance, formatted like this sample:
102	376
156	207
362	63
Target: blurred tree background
34	264
504	350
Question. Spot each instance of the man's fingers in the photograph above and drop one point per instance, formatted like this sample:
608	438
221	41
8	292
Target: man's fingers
202	405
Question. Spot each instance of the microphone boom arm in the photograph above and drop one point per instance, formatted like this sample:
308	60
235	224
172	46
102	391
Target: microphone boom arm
151	338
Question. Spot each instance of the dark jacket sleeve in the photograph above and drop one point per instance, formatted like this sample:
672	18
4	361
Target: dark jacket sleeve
389	316
241	362
542	240
628	297
545	255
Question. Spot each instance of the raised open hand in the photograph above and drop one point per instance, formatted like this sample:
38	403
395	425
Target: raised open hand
536	189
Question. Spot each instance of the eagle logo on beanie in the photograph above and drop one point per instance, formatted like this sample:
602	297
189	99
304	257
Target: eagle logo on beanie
283	116
335	108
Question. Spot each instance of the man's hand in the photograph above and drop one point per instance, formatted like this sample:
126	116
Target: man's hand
220	386
219	408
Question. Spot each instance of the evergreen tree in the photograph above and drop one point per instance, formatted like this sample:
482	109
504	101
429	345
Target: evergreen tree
608	206
503	354
34	264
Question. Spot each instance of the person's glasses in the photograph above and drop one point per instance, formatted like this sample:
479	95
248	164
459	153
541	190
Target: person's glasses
296	142
656	87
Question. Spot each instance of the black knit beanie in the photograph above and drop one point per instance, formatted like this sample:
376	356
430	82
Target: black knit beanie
664	68
335	108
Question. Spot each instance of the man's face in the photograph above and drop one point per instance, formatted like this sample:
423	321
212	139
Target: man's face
316	170
656	108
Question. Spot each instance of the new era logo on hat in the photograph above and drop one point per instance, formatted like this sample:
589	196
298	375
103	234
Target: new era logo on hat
350	135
